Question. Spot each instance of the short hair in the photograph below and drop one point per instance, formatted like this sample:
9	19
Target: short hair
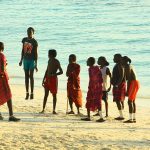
127	59
30	29
104	60
118	55
91	60
73	57
52	52
1	46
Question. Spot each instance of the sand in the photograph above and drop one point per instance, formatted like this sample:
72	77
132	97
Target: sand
68	132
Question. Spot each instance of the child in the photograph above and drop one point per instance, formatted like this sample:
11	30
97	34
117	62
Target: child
132	88
50	81
29	58
73	85
5	92
119	86
106	75
94	94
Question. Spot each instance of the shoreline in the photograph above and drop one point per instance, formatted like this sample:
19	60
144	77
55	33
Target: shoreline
47	131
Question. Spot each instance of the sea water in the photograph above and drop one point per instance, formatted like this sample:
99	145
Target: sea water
82	27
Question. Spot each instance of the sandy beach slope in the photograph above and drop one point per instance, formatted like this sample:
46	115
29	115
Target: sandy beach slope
47	131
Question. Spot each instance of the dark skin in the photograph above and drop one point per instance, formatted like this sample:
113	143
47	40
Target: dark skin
9	102
116	82
53	67
130	75
68	72
29	74
102	64
89	63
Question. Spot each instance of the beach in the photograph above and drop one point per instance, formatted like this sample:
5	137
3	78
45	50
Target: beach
47	131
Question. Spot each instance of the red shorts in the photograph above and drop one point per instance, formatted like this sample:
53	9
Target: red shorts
133	89
51	84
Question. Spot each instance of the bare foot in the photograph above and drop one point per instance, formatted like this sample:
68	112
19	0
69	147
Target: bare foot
54	112
41	112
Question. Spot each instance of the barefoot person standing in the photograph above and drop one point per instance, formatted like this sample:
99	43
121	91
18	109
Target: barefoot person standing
119	86
29	58
132	88
73	85
50	80
5	92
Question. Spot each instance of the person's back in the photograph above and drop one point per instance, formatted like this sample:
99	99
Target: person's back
53	66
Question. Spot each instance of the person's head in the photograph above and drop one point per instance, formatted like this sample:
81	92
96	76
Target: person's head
117	58
90	61
52	53
30	32
126	60
102	61
1	46
72	58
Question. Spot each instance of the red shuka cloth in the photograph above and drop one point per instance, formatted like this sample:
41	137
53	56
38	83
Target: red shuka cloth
94	94
5	92
73	84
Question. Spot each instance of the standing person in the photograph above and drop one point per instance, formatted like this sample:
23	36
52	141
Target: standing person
132	88
94	94
106	75
73	85
119	85
50	80
5	92
29	58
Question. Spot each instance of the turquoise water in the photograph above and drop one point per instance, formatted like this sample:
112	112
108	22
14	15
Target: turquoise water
83	27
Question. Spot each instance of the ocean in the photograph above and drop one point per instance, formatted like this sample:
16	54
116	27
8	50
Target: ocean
82	27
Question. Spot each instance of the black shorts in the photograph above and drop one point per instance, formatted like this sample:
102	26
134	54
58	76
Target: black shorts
105	96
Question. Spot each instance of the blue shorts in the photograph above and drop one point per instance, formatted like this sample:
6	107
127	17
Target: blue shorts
28	64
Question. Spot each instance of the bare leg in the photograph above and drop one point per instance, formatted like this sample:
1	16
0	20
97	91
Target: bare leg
119	106
54	103
11	117
130	107
78	110
88	113
9	104
32	83
45	99
106	108
27	83
70	103
134	107
122	103
88	116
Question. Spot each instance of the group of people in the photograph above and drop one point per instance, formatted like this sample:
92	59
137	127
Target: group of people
100	81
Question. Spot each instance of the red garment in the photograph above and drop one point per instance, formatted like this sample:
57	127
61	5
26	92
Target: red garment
119	92
133	89
51	84
73	84
5	92
94	94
